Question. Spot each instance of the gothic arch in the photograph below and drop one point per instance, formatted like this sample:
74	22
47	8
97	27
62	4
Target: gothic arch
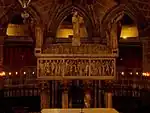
129	9
6	18
56	21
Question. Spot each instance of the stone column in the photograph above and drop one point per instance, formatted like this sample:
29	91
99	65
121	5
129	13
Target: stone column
44	95
87	94
39	32
146	54
108	99
2	36
1	52
108	94
65	95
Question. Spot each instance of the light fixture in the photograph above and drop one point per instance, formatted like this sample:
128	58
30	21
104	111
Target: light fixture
9	73
24	4
24	73
122	73
2	74
16	73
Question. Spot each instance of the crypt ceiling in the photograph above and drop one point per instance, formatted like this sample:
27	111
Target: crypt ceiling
50	12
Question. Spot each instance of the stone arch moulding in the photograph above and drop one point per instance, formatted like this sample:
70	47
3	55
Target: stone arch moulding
129	9
56	21
35	15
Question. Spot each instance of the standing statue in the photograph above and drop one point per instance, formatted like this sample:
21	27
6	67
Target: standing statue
115	30
76	21
87	99
113	33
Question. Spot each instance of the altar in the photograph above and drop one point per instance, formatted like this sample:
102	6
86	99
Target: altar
84	110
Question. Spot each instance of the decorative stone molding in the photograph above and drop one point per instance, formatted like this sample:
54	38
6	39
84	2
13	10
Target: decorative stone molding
83	49
73	68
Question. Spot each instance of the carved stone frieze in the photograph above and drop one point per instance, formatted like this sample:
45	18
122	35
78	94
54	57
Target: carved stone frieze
76	68
82	49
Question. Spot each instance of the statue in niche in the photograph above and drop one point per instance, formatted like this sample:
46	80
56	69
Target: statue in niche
113	34
77	21
113	29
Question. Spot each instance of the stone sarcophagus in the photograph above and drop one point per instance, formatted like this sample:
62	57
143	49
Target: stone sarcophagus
87	61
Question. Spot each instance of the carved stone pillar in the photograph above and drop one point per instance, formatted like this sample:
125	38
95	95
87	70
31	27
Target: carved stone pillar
2	36
65	95
1	52
44	95
39	38
108	95
146	54
108	99
87	94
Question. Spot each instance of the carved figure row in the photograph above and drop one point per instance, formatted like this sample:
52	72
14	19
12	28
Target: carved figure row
76	67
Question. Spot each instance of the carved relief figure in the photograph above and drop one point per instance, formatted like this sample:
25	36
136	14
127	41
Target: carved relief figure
67	67
53	67
60	67
94	69
47	67
99	65
86	68
107	68
112	68
73	67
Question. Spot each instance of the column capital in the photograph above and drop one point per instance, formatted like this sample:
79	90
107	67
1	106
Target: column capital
43	85
39	26
87	84
65	86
